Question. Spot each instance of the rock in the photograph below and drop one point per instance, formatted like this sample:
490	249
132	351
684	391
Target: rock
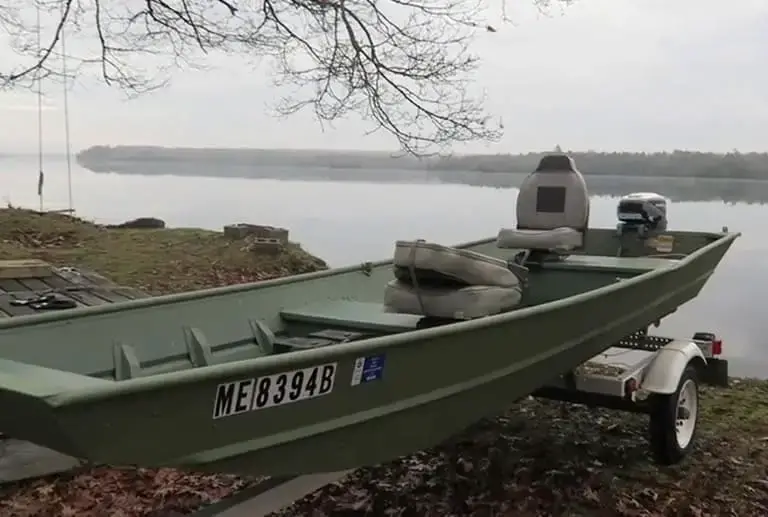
266	246
243	230
143	223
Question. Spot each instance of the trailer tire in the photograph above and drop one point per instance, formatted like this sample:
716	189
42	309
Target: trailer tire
674	419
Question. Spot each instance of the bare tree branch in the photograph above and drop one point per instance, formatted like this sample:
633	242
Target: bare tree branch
403	65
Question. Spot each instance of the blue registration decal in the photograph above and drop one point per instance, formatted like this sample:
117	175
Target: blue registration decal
368	369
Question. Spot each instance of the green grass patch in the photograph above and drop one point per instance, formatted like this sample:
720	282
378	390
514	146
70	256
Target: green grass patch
158	261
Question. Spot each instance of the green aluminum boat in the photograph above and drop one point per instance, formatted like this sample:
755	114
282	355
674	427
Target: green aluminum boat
353	366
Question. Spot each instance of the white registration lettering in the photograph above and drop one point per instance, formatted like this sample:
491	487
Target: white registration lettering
233	398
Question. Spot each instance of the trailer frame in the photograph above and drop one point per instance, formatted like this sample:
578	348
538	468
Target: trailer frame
658	376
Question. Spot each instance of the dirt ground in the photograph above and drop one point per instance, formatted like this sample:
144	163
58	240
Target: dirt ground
546	458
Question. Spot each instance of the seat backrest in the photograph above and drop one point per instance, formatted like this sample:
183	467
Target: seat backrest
553	196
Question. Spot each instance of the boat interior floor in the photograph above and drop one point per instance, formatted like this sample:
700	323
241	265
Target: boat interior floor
342	321
333	321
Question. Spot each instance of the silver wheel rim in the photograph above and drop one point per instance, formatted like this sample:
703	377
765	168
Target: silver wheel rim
687	409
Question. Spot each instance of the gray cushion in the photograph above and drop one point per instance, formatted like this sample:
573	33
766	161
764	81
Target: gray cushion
462	304
465	266
559	239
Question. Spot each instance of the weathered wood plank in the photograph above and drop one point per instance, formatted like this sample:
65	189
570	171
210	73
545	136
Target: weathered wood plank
84	297
27	268
110	295
129	292
9	285
88	292
37	285
58	282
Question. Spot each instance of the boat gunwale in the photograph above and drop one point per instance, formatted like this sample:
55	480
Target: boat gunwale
273	363
167	299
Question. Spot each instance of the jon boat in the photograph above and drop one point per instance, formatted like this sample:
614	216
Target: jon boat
357	365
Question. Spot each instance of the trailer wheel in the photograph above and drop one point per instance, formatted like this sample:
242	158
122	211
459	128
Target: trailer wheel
674	418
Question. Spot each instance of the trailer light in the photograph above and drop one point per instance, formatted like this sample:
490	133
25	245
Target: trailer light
630	387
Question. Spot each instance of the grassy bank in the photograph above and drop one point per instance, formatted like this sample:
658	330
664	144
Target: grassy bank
156	261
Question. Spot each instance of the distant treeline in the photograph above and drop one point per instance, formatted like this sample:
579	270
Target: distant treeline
676	164
247	157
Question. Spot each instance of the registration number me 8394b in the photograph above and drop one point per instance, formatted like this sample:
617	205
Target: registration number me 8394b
237	397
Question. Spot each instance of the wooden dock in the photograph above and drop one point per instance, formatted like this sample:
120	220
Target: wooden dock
27	280
24	280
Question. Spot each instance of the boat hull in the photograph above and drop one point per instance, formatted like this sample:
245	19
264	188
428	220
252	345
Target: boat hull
410	425
434	383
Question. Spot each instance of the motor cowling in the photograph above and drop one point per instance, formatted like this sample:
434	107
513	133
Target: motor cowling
646	210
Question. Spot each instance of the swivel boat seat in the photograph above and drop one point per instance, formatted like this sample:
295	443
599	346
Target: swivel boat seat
445	283
552	212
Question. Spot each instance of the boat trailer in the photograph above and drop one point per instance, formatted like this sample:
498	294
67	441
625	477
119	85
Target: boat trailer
655	375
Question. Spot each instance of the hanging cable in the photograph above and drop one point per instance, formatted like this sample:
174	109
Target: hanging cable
40	176
66	113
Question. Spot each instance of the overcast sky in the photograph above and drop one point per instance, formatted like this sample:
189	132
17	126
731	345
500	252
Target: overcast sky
606	74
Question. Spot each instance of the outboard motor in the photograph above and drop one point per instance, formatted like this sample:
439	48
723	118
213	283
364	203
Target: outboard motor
642	212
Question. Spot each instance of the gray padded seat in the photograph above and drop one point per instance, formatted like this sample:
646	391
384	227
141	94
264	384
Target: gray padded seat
552	208
483	285
462	265
464	303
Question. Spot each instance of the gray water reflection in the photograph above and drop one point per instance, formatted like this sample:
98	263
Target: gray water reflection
352	222
677	188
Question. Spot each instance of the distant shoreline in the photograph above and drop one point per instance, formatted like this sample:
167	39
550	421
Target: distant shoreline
151	160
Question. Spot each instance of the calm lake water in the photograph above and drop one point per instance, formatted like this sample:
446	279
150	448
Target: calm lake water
352	222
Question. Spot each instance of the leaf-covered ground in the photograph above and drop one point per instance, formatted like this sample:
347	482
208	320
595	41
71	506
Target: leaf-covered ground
116	492
545	458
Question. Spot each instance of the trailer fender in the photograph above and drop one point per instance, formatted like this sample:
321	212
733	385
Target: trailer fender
663	374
